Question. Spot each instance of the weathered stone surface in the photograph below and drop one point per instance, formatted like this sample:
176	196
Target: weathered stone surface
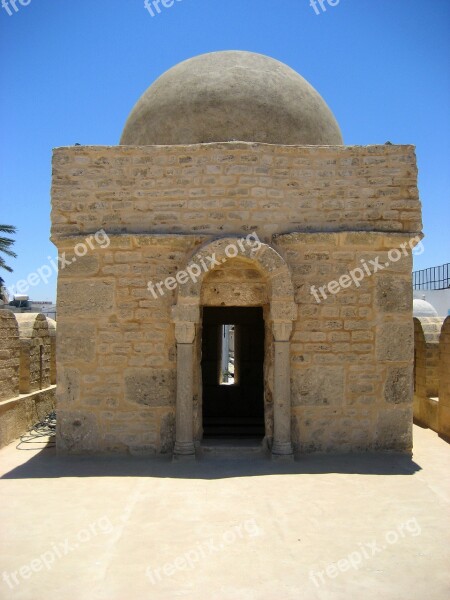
167	433
234	294
89	297
19	414
80	266
68	390
280	207
35	352
317	386
398	388
150	387
77	341
394	430
77	432
395	342
9	355
394	294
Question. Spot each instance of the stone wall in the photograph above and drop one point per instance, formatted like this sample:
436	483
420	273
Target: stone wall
234	187
351	355
431	369
35	352
352	352
18	415
26	362
52	333
444	381
9	355
420	370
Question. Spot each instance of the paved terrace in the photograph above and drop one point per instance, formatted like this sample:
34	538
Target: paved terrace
325	527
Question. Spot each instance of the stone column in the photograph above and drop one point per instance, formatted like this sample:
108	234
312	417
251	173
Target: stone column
282	445
184	419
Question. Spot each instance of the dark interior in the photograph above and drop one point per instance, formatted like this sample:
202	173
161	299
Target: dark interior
237	410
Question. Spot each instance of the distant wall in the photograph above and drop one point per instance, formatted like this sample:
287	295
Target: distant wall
9	355
444	380
27	371
34	352
431	373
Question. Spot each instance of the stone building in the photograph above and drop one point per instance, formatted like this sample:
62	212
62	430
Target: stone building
232	200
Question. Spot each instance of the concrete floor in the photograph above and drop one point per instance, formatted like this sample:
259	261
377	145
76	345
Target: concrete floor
327	527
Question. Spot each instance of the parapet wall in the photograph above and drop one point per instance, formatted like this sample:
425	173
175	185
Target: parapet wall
27	372
9	355
431	373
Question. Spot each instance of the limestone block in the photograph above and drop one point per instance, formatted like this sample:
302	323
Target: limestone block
89	297
282	285
393	294
76	341
68	389
150	387
395	342
80	266
398	387
234	294
317	386
394	430
283	311
77	432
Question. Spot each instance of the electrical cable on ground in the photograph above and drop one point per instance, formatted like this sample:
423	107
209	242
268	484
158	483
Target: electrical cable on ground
43	429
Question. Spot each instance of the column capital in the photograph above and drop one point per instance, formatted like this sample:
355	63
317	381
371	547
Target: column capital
186	312
185	332
282	330
283	310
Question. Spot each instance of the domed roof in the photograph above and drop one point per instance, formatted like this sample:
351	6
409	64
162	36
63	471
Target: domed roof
232	95
422	308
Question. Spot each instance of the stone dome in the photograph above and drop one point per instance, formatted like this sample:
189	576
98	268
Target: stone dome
422	308
231	96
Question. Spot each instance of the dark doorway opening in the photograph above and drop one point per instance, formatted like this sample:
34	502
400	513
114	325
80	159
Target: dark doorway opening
232	372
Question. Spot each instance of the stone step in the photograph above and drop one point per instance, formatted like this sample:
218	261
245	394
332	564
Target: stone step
233	447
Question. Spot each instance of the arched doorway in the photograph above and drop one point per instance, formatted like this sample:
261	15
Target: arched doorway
279	310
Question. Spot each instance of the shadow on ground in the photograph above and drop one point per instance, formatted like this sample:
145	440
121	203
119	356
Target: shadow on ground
47	465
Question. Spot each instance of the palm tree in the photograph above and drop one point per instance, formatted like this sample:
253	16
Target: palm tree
5	248
5	245
3	293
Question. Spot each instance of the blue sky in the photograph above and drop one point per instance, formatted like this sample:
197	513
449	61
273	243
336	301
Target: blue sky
71	70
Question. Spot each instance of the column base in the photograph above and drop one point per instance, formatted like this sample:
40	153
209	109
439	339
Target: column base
282	450
184	450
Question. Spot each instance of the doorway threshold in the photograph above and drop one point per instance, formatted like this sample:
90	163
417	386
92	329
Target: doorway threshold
234	447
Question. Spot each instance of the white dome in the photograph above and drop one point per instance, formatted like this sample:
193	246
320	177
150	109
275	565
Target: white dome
422	308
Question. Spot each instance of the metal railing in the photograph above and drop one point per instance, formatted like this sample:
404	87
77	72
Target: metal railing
433	278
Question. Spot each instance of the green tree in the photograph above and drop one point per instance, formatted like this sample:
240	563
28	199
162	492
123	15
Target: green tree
5	248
